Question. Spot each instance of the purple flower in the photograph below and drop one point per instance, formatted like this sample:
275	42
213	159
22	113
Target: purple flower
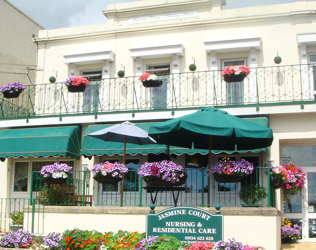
115	169
13	87
166	170
56	170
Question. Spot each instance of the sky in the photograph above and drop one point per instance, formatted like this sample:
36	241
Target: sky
54	14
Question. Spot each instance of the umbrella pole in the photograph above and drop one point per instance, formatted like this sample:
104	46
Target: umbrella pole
209	168
122	189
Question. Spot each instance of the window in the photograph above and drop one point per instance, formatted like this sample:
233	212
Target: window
91	93
312	59
234	90
158	96
196	169
21	176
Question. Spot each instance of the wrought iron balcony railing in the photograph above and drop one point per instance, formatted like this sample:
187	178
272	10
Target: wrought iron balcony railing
253	190
266	85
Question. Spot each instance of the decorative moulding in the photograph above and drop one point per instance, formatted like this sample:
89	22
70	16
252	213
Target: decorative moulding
92	57
231	45
306	38
158	51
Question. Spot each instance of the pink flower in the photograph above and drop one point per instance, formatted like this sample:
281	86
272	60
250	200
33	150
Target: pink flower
235	70
144	76
80	81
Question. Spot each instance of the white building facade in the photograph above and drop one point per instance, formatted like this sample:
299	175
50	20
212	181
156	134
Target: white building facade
165	37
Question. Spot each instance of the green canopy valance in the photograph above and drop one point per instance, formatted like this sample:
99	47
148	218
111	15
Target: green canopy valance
36	142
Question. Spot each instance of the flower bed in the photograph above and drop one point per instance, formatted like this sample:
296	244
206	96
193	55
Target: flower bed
94	240
290	233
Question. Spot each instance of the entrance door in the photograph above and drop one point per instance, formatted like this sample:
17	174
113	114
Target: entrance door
301	208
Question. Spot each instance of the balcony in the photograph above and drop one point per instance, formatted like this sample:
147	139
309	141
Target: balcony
195	191
264	86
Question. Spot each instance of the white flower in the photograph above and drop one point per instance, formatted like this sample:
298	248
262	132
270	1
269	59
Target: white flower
59	175
152	78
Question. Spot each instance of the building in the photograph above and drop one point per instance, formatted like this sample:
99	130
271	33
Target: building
165	37
18	51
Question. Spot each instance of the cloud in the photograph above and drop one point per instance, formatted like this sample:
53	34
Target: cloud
54	14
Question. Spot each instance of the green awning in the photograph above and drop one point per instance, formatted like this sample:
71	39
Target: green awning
263	121
36	142
93	146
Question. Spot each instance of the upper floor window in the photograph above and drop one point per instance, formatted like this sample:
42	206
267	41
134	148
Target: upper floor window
234	90
91	93
312	60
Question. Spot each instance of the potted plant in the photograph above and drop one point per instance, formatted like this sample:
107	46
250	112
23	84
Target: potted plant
12	90
164	173
56	173
150	80
109	173
290	233
235	73
76	84
16	220
252	194
231	171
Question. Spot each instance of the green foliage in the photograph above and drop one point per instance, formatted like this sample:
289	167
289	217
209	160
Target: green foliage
167	242
52	79
122	240
252	194
77	239
17	217
192	67
121	73
54	195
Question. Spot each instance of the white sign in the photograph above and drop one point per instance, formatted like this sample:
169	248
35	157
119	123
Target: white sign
162	17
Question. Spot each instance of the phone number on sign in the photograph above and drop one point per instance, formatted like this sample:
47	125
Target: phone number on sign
201	238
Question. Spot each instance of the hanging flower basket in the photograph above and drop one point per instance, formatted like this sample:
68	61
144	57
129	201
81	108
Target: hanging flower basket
275	182
76	84
152	83
234	78
55	181
235	73
158	182
107	179
12	90
226	170
109	173
164	173
227	178
75	89
56	173
11	95
150	80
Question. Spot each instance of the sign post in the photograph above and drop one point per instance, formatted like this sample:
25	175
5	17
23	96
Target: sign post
186	224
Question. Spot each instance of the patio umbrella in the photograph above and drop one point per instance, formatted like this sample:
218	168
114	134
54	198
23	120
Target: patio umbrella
211	128
125	132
